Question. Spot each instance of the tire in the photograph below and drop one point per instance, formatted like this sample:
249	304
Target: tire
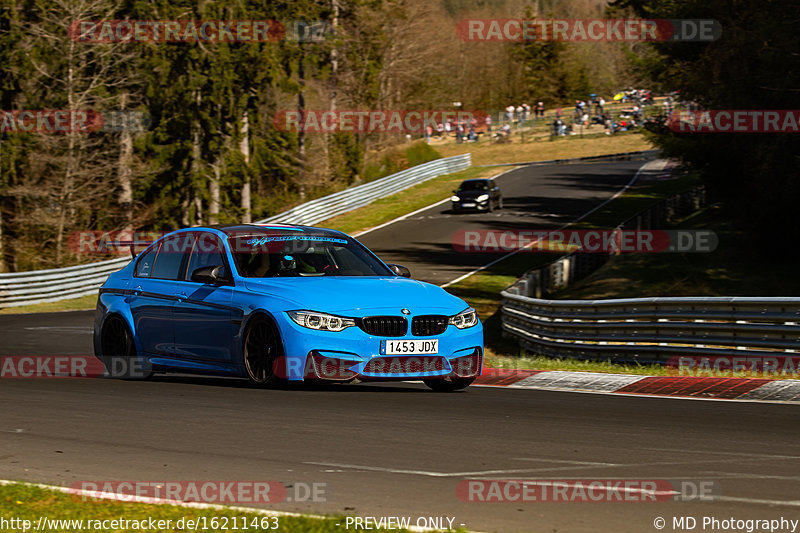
489	206
448	384
261	349
119	351
500	203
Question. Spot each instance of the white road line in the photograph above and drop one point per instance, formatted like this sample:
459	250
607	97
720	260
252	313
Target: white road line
544	460
398	219
484	267
756	501
731	454
745	475
428	473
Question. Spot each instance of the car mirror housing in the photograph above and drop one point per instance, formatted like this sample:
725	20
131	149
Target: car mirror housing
209	274
400	270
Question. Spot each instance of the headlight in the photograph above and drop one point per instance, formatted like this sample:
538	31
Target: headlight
483	197
455	199
321	321
464	319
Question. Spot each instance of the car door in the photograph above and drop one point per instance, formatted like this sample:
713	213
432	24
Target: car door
153	293
203	316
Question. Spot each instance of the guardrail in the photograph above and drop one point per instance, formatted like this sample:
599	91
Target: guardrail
653	329
341	202
41	286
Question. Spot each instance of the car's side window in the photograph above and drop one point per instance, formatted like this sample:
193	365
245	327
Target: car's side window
171	256
144	265
207	251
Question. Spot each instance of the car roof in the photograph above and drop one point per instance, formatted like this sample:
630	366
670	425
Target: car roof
475	179
257	229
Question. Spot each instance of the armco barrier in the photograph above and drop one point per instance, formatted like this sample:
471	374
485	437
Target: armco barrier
341	202
653	329
40	286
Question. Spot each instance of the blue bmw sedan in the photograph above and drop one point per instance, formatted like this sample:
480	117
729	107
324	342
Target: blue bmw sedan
277	304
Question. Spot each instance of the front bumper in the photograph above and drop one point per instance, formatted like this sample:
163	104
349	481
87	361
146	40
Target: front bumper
470	204
355	354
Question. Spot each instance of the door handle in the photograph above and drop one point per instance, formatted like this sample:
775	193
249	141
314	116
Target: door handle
181	296
137	290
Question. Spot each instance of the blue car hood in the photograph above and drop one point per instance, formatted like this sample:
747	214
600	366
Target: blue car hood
353	294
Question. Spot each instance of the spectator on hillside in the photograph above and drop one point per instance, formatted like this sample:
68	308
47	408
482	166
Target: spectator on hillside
540	109
488	121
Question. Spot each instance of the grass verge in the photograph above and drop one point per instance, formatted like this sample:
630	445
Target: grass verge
25	502
75	304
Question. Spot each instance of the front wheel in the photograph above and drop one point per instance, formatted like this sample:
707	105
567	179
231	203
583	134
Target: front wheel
262	350
448	384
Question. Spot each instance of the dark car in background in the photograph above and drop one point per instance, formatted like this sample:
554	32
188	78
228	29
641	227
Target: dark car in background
477	194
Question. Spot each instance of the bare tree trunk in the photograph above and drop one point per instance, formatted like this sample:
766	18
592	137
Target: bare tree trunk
301	135
66	190
191	197
198	209
213	193
125	172
244	148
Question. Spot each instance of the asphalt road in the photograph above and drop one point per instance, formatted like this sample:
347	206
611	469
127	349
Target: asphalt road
544	197
401	450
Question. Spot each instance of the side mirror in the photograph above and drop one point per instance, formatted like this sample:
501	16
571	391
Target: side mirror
209	274
400	270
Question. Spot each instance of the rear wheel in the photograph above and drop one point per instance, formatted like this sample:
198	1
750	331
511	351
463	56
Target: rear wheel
262	349
449	384
500	203
119	351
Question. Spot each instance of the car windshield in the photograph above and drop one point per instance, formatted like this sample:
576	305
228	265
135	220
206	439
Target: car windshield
474	186
284	255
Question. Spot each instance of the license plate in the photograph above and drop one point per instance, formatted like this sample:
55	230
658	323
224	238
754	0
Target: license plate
412	347
470	204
